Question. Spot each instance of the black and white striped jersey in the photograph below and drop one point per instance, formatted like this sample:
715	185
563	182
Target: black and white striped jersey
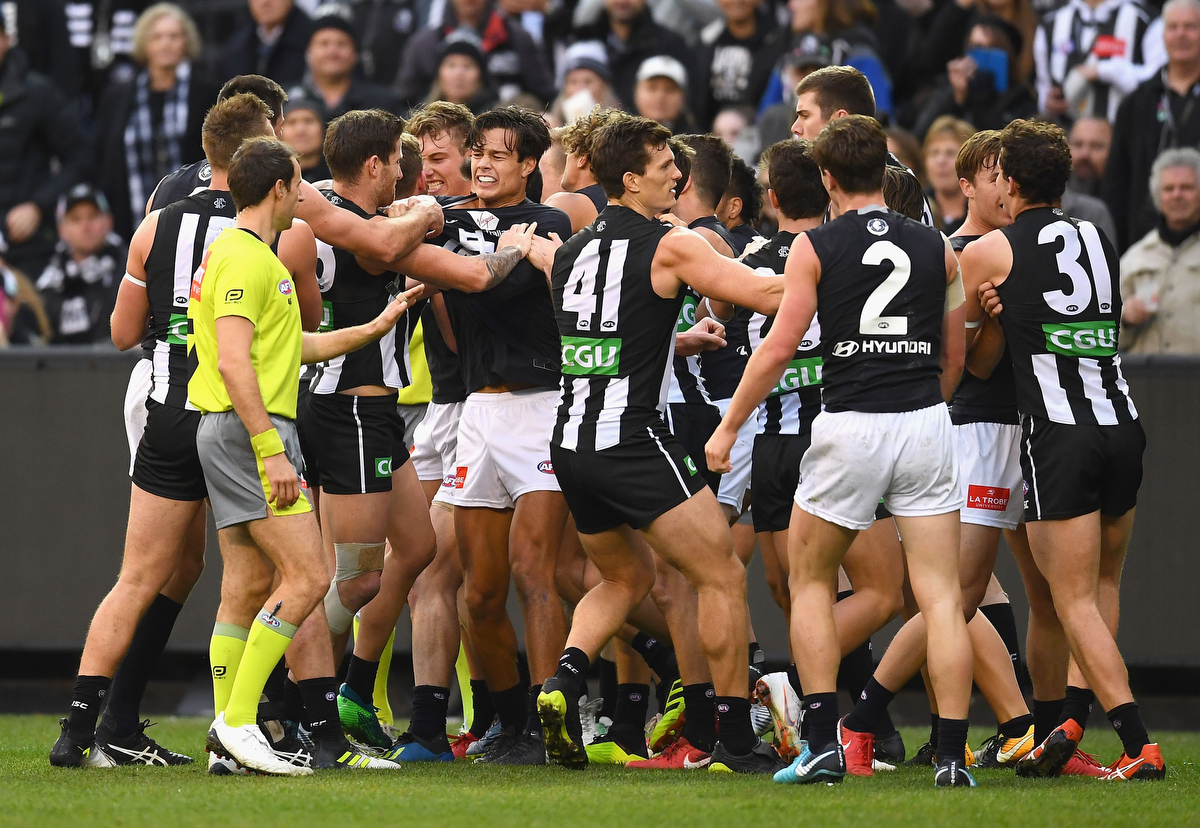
796	399
1062	317
185	230
685	382
722	369
351	296
1123	36
617	334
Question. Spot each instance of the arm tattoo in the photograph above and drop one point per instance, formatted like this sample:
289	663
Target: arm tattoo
500	264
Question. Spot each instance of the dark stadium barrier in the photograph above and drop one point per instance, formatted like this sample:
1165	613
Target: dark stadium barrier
64	500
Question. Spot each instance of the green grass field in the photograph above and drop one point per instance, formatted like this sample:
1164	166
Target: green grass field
33	793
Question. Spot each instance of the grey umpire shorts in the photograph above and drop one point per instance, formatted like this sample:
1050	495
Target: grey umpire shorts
237	482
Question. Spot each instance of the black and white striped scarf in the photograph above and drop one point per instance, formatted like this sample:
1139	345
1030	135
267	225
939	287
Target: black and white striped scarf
152	151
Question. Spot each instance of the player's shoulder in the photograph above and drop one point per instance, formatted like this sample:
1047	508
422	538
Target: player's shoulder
548	217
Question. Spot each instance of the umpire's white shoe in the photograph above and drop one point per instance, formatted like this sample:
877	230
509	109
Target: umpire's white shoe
775	692
249	747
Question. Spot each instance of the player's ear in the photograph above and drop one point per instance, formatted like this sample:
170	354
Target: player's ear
630	182
528	166
967	187
774	199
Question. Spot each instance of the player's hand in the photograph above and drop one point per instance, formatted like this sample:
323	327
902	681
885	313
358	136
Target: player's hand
433	213
672	219
22	221
283	484
1135	312
395	309
716	450
990	299
706	335
541	252
519	236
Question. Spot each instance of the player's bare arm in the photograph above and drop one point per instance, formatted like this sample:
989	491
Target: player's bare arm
954	343
298	252
382	241
470	274
768	361
984	262
128	320
684	257
440	315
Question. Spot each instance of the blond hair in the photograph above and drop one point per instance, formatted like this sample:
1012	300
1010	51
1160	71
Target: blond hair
146	21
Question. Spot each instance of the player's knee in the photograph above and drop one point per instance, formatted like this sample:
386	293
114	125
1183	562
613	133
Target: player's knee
190	568
485	600
532	574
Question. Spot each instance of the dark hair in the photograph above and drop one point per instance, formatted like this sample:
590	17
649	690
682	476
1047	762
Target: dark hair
528	132
795	179
744	184
622	145
354	138
684	155
980	150
265	89
437	117
257	165
854	151
576	136
1035	154
902	193
839	87
410	166
230	122
710	167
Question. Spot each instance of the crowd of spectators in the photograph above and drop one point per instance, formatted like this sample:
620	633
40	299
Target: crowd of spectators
101	98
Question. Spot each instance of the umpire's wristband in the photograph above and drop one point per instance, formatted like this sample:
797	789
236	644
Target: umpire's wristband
267	444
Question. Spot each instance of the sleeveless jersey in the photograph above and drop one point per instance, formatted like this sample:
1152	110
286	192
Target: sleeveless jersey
180	184
1062	317
796	399
351	296
685	383
714	224
507	334
596	193
743	235
617	333
722	369
881	297
991	400
185	230
443	363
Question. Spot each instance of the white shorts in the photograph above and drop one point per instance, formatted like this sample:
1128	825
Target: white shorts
504	448
736	482
141	379
435	445
989	457
907	458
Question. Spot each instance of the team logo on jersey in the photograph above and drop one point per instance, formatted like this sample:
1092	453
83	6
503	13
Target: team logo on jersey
845	349
383	467
987	497
799	373
1081	339
584	356
600	225
877	227
783	251
546	467
335	200
219	203
285	287
205	173
485	220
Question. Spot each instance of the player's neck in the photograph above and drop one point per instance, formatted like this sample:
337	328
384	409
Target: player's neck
848	202
973	226
790	225
260	220
359	193
1018	206
585	179
688	208
219	180
499	201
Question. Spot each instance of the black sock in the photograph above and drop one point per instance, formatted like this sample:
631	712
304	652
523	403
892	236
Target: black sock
293	702
872	703
271	705
700	718
633	702
821	716
1002	618
1127	721
1046	716
533	722
952	739
129	684
794	679
1077	705
1017	727
511	707
733	725
608	688
483	712
320	708
933	728
658	656
429	710
85	704
360	677
572	671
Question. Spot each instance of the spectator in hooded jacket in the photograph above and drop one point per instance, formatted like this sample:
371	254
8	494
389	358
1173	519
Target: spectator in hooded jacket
738	53
273	44
462	77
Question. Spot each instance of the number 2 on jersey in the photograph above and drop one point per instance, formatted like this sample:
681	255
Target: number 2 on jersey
579	293
873	322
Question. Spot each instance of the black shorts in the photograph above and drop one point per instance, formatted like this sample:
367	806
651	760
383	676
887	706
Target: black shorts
356	442
692	424
166	463
635	481
312	469
774	476
1073	470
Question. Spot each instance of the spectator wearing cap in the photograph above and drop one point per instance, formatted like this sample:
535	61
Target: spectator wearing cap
974	93
273	44
631	36
1090	140
79	286
1160	274
332	58
585	81
737	56
462	77
661	94
304	130
1162	113
42	153
515	64
775	122
149	126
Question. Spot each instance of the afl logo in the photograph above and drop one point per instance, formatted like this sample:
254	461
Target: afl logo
546	467
845	349
270	620
285	287
205	173
877	227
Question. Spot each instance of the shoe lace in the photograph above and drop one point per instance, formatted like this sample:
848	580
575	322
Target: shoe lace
861	749
991	743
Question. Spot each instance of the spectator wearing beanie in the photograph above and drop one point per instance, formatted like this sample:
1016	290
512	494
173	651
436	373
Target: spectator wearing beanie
514	62
272	44
149	126
332	58
586	82
462	76
304	130
661	94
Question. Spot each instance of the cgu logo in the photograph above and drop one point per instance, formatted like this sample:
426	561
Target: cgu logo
583	356
1081	339
800	373
687	314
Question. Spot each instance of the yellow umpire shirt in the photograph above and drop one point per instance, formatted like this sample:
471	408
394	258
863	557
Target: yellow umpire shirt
241	276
